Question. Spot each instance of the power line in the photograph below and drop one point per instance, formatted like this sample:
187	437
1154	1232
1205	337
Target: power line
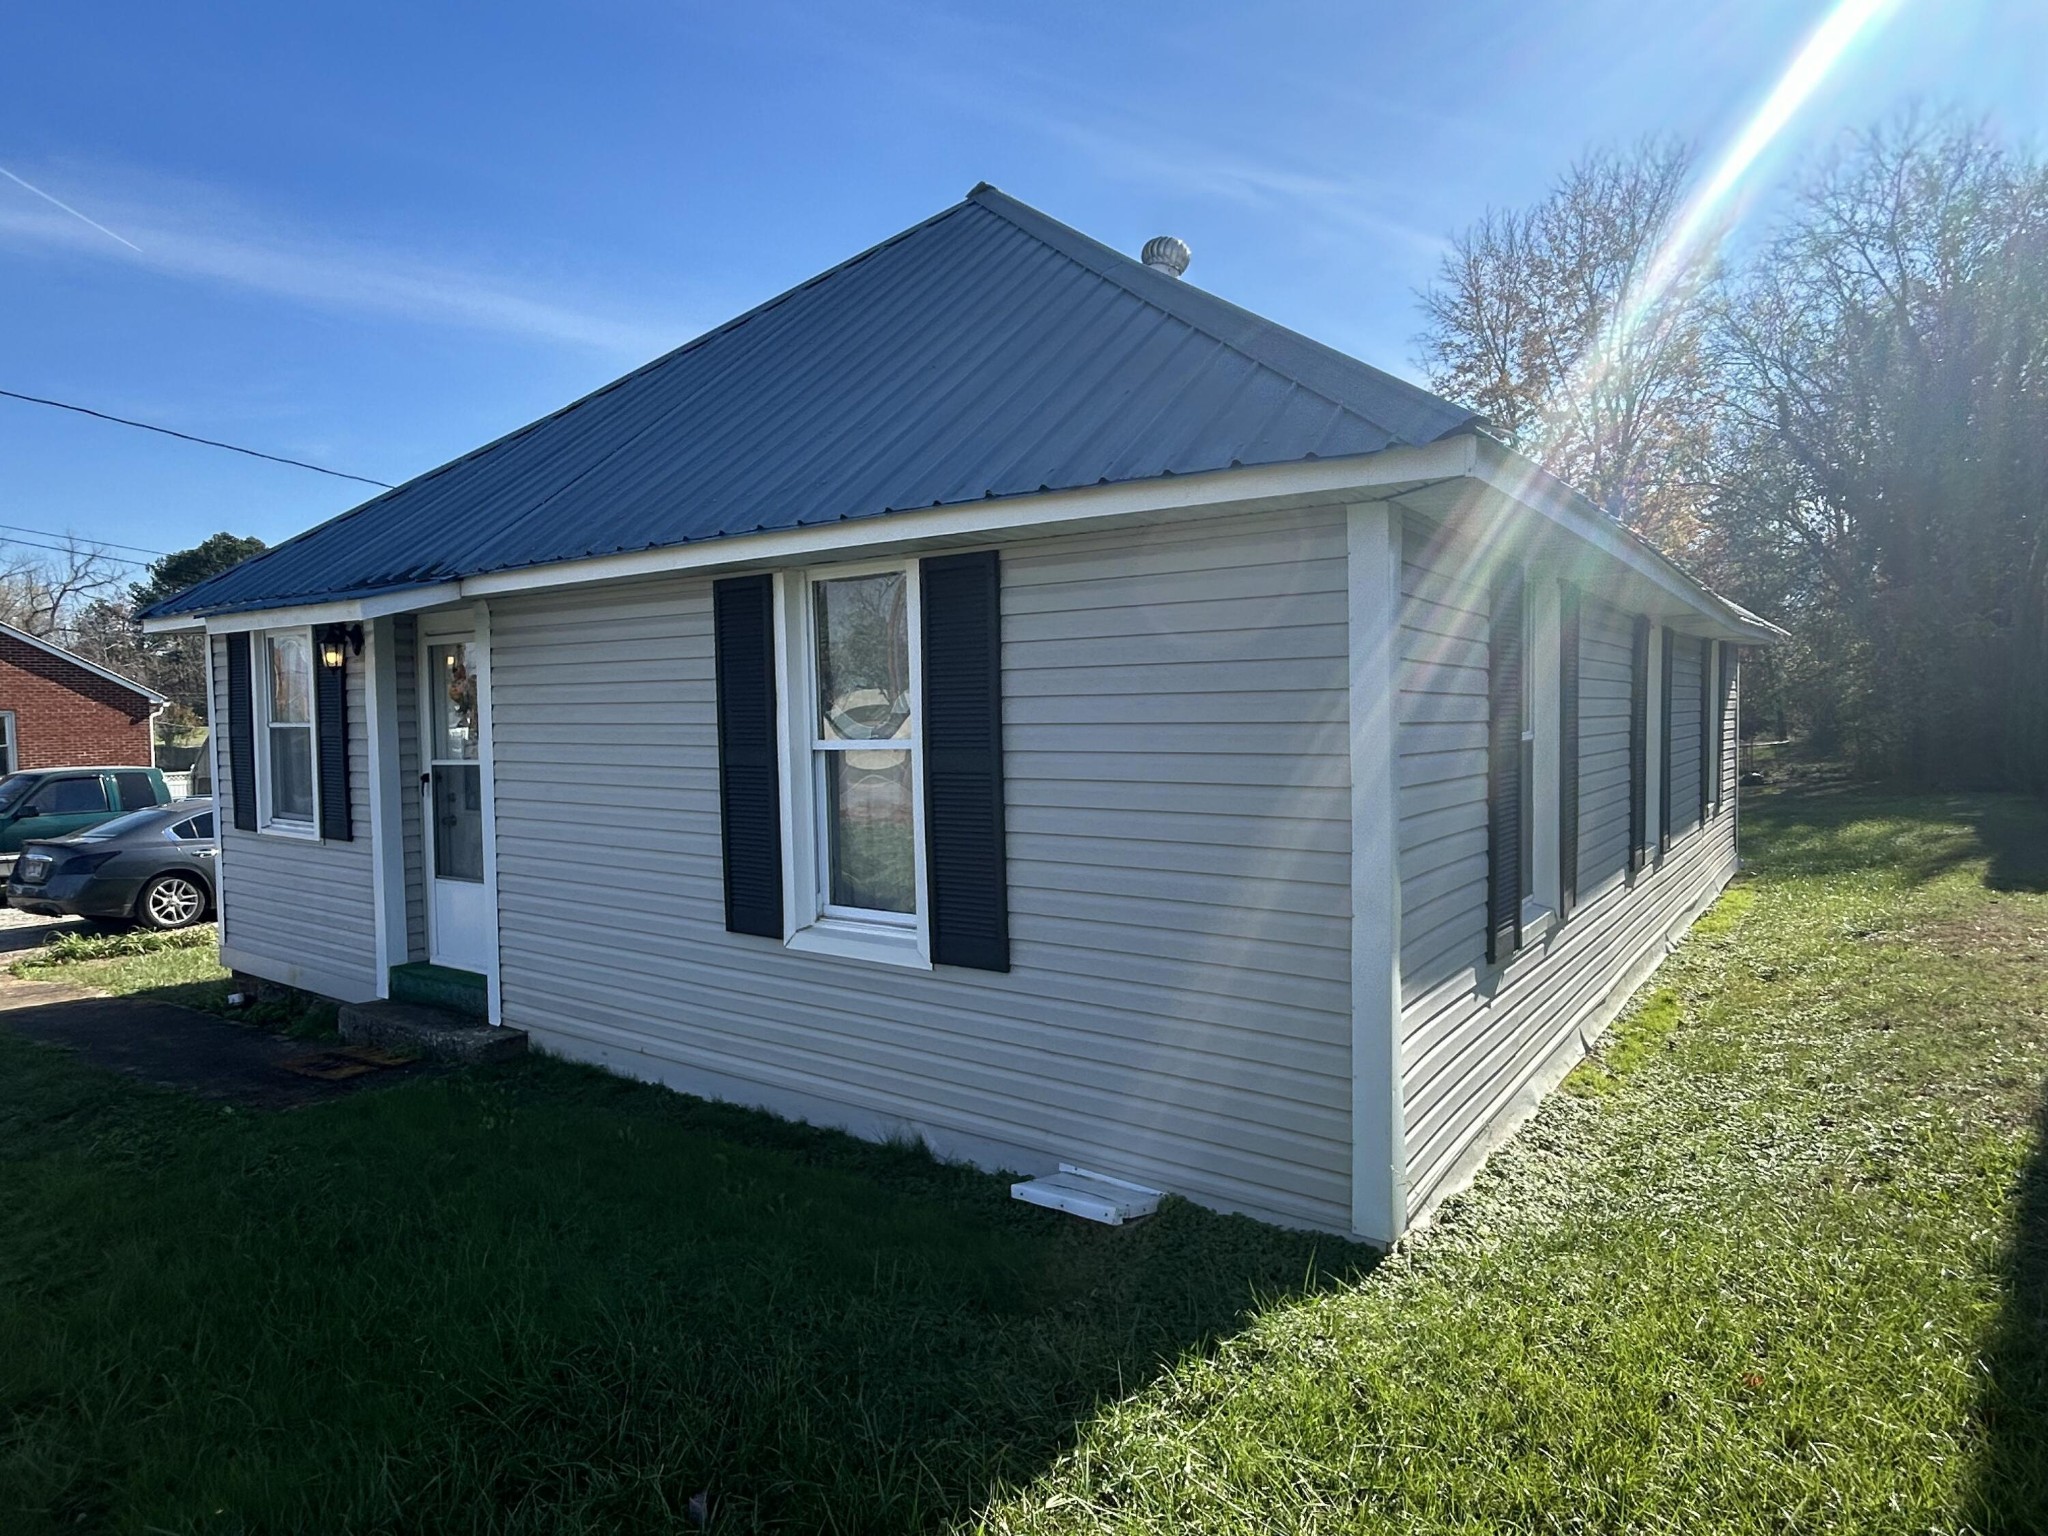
64	549
101	544
208	442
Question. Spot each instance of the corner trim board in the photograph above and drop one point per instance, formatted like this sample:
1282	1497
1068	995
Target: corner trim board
1379	1163
387	831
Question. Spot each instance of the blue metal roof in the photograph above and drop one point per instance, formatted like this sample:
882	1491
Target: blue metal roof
989	351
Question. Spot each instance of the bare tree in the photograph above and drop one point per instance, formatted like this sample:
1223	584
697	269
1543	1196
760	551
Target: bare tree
44	591
1559	323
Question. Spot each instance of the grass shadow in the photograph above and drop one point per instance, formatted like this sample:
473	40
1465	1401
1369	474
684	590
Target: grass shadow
1848	828
573	1302
2014	832
2011	1493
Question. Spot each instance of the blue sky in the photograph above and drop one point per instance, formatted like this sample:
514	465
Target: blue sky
376	235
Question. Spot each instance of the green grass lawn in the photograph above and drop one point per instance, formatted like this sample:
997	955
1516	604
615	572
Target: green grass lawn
1777	1262
181	967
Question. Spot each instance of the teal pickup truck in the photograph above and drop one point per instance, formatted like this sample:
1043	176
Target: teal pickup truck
55	802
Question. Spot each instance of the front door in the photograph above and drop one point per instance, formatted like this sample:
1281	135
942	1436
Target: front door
452	796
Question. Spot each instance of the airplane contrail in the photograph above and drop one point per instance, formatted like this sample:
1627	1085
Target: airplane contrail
95	223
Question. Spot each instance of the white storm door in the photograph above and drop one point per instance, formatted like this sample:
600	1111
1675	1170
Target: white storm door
452	799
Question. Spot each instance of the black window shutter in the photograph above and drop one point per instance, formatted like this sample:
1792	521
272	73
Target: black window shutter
749	773
963	760
1710	742
1568	748
1504	769
1638	746
1664	756
241	735
330	734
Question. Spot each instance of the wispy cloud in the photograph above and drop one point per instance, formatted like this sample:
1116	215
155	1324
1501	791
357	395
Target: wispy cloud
926	54
226	247
1126	149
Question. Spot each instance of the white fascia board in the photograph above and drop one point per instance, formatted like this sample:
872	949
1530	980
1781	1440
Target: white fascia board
1333	479
353	610
1529	485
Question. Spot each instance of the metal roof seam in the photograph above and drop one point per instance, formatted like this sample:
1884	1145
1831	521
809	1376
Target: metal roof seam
1112	265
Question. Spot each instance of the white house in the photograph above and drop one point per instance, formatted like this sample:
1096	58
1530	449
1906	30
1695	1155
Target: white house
1000	692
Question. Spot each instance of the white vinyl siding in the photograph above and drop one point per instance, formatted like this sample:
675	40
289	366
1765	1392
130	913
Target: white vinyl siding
1440	747
296	910
1606	643
405	669
1478	1041
1177	772
1685	734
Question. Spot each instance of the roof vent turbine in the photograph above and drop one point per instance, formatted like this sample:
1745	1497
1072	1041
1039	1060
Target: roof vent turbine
1163	253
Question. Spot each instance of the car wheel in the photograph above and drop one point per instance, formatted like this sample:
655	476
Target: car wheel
171	901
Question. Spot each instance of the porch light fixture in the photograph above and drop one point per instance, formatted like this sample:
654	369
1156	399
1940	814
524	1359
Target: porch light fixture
336	642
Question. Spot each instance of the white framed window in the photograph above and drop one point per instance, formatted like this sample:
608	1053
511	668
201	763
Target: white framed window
10	754
287	787
853	753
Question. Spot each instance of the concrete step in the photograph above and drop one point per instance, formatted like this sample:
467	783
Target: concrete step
441	986
430	1032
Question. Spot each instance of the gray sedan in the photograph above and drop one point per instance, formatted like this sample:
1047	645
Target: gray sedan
152	867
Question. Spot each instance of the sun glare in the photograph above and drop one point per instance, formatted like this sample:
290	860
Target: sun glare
1849	23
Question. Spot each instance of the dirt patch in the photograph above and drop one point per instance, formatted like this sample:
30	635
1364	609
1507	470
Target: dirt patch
2000	929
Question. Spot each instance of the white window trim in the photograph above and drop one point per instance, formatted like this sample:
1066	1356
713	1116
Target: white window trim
810	924
259	688
12	726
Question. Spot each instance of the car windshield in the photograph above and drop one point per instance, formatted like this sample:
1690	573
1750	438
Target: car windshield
134	821
13	787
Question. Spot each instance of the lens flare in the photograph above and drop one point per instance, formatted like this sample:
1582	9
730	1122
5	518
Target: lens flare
1705	220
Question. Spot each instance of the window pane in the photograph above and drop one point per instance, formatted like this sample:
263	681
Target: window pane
137	790
74	797
120	826
291	678
451	673
867	809
291	773
863	658
458	823
202	824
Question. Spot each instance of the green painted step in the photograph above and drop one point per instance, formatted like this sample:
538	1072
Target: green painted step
440	986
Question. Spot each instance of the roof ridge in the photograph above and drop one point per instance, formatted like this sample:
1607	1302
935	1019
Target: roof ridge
703	338
1112	265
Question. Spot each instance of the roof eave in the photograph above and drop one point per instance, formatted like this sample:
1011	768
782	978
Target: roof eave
1530	485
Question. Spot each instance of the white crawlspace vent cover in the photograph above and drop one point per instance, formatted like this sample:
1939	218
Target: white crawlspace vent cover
1091	1196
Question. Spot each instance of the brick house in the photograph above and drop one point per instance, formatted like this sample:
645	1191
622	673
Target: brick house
58	710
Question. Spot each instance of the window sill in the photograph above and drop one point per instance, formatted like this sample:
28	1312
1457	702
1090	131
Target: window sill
306	833
1538	922
861	941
